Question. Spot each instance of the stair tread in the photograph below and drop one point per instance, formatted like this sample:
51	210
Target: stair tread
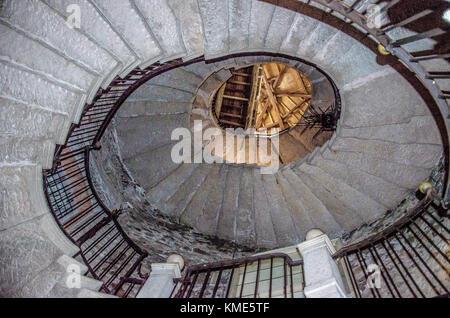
214	15
176	205
362	205
245	216
191	215
265	234
377	188
188	15
226	228
281	216
317	211
163	191
208	221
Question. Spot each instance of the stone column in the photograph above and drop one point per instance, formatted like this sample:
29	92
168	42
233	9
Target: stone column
322	276
160	282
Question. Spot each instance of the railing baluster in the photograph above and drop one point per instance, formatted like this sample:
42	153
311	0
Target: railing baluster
243	280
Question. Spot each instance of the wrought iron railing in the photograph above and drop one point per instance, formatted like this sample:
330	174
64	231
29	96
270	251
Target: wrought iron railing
107	251
264	276
407	259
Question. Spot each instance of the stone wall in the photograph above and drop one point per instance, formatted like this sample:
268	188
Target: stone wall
153	232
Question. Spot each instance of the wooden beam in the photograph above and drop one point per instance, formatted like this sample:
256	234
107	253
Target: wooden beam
274	102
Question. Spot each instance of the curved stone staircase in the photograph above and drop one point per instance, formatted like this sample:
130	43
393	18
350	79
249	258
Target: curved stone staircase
386	144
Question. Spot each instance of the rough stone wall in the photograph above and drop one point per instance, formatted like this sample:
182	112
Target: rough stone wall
158	235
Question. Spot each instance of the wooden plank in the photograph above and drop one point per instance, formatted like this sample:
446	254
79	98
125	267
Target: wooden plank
235	98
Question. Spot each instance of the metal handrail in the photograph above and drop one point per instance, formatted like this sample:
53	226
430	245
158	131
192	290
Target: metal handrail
225	272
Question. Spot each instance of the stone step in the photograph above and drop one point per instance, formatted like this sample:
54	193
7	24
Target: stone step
158	93
195	209
280	24
53	33
418	130
214	15
159	194
14	46
150	167
27	252
361	204
136	109
178	78
226	227
239	14
291	149
20	149
357	64
180	200
396	101
127	22
418	155
302	220
314	208
37	92
135	136
345	216
245	214
264	230
299	30
36	122
404	176
99	30
163	24
188	16
377	188
281	216
260	19
316	41
208	220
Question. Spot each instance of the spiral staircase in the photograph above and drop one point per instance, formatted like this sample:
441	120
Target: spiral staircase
62	86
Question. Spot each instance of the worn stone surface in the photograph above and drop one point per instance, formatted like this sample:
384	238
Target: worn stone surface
214	15
158	93
102	32
418	155
25	251
342	212
298	31
188	15
402	175
226	227
164	26
17	47
53	29
394	105
419	130
281	215
375	187
261	16
279	27
33	90
152	166
265	233
136	109
239	13
302	220
363	206
126	21
146	133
